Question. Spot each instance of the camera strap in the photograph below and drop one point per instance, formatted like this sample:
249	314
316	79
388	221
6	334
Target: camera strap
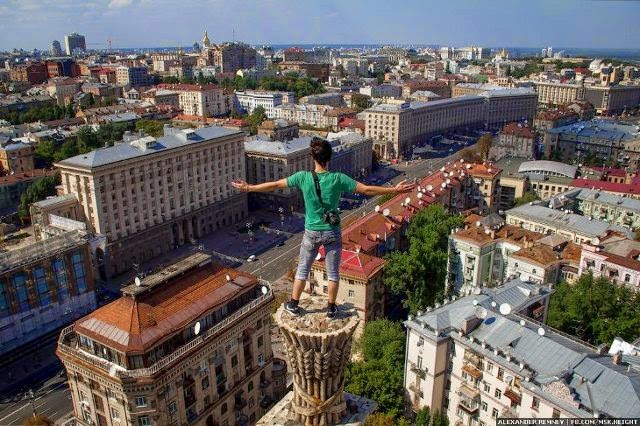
316	182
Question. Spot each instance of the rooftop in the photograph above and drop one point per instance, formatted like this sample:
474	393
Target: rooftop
126	151
19	257
600	129
546	166
262	145
595	384
620	188
354	263
519	130
407	106
133	324
52	201
608	199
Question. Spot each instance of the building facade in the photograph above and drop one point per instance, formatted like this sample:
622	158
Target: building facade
44	286
133	76
248	100
189	345
207	100
74	42
514	140
15	157
148	196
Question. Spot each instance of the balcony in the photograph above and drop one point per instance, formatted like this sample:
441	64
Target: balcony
514	395
472	371
469	399
508	413
415	389
417	371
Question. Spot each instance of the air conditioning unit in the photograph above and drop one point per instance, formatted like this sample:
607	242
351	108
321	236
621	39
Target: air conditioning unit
420	342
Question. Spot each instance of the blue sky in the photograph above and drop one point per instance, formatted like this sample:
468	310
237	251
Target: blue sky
148	23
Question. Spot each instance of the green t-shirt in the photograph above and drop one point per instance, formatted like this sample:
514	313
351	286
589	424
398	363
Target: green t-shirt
332	185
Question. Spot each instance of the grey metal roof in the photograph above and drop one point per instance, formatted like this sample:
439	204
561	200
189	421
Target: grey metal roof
607	198
599	128
51	201
262	145
566	221
424	104
545	166
125	151
596	383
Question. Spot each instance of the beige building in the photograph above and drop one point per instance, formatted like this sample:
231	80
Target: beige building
514	140
206	100
189	344
147	196
15	157
134	75
162	97
462	89
268	160
550	93
279	129
305	115
476	364
63	89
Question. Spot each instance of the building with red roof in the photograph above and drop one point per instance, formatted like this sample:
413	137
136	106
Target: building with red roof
631	190
514	140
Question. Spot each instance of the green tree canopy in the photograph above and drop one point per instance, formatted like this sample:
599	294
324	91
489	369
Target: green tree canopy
526	198
595	310
153	128
44	153
379	374
484	145
417	276
256	118
37	191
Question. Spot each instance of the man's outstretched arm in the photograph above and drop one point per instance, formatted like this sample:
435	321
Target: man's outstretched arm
261	187
403	186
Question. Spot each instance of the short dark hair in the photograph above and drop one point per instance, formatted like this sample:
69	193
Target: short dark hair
321	150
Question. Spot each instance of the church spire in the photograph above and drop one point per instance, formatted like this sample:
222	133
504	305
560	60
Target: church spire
205	40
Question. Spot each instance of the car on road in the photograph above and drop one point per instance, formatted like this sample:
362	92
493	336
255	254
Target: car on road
280	244
251	258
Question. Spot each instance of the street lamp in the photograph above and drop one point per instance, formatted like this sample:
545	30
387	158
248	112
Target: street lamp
281	211
33	407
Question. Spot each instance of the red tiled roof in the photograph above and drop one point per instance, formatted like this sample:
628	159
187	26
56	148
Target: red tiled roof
133	325
239	122
36	173
611	171
519	130
622	188
352	122
355	264
425	83
556	114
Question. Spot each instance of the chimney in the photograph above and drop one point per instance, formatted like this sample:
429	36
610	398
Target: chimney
617	358
493	234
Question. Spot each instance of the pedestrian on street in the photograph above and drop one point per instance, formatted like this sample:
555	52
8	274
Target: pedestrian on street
321	190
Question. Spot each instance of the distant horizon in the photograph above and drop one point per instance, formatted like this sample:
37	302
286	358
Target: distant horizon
585	24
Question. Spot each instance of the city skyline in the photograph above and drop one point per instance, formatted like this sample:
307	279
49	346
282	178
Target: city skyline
603	24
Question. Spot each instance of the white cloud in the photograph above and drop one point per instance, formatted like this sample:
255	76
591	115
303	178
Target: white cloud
114	4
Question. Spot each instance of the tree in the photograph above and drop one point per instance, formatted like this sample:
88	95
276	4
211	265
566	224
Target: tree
423	417
508	71
44	153
439	419
169	79
526	198
417	276
256	118
360	102
87	139
91	101
484	145
380	419
153	128
447	68
379	374
67	150
38	420
37	191
595	310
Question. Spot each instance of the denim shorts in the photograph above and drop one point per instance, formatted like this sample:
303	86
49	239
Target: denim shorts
311	242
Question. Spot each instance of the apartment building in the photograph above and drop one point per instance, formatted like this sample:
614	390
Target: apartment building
360	284
13	186
162	97
318	71
539	218
509	105
305	115
514	140
133	76
440	88
600	138
148	195
551	119
15	156
462	89
63	89
609	100
189	344
552	93
231	57
334	99
268	160
385	90
279	130
248	100
614	257
44	286
33	73
205	100
470	53
481	357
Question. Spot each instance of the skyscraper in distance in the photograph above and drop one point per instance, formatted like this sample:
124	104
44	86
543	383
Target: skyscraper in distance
74	41
56	50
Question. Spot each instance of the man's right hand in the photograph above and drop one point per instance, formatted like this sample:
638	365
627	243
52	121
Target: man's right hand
241	185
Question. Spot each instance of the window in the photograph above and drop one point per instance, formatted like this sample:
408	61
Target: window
494	413
173	407
20	285
485	406
144	421
459	412
555	414
535	404
487	387
223	409
351	293
78	270
419	362
4	302
41	286
500	373
115	414
498	393
482	423
141	401
205	383
234	360
260	341
627	278
465	376
250	386
260	359
61	279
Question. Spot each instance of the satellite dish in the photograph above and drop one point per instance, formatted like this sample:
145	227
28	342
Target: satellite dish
377	208
448	181
443	185
596	241
228	277
505	309
522	323
468	166
541	331
407	200
481	312
442	169
264	289
138	281
196	329
462	160
318	256
475	302
420	194
386	212
493	304
429	188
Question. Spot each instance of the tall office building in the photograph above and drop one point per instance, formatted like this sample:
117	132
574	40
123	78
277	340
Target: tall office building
56	50
74	41
187	345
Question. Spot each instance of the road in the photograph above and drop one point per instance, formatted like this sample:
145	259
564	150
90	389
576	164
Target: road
52	399
274	263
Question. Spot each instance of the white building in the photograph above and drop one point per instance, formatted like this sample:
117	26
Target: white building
481	357
614	257
248	100
204	100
